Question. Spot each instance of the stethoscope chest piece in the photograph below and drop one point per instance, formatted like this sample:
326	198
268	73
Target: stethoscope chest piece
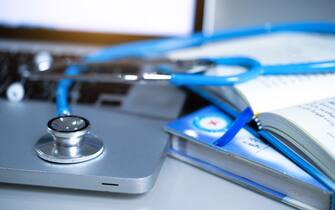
68	141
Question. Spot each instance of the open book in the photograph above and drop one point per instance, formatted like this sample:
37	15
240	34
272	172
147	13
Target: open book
308	129
246	160
291	107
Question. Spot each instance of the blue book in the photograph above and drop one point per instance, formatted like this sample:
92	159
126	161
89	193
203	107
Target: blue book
246	160
270	131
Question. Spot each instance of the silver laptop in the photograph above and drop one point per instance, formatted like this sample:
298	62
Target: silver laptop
36	34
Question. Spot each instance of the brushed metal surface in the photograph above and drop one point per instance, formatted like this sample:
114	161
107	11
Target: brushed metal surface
134	149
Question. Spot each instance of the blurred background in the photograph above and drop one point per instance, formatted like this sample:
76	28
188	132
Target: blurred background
112	21
36	34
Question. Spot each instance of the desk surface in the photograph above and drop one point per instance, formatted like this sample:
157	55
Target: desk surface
179	186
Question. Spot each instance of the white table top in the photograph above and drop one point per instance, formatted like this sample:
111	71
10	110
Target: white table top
179	186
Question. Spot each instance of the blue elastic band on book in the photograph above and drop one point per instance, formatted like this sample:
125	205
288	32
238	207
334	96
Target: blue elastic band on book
243	118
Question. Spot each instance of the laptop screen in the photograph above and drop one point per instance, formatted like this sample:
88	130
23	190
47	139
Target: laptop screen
144	17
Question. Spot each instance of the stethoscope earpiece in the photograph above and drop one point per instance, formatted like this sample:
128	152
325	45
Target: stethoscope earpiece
68	141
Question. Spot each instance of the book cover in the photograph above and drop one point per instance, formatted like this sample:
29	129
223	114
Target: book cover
205	126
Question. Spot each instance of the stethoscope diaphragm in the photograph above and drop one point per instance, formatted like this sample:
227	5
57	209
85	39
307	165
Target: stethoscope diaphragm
68	141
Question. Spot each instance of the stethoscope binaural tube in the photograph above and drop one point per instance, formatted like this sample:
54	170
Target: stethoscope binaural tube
160	46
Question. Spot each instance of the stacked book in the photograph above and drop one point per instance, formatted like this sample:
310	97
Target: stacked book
291	156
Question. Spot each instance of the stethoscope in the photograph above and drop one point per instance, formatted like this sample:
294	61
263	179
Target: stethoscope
69	140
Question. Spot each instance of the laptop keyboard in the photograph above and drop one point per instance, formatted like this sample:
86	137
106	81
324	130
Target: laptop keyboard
12	64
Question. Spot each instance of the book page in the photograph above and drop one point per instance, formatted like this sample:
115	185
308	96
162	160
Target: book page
273	92
317	120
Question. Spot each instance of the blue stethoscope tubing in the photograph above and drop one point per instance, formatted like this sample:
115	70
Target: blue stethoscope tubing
253	70
158	47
